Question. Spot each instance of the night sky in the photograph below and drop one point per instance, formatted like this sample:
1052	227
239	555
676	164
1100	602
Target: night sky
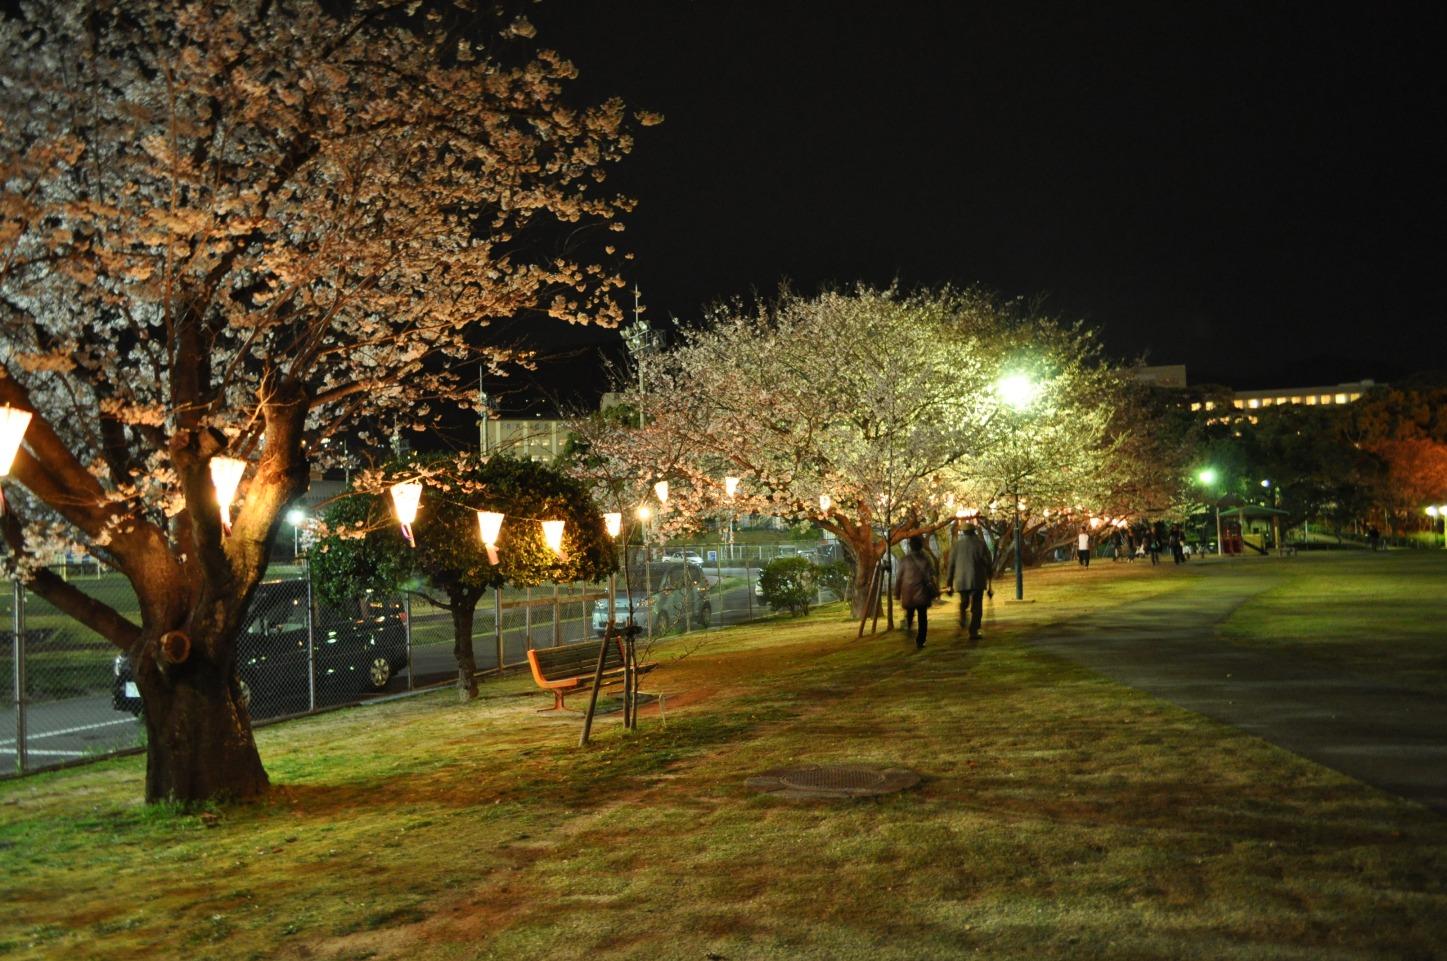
1255	191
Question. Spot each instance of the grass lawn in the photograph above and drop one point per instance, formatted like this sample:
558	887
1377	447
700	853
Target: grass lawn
1381	615
1061	816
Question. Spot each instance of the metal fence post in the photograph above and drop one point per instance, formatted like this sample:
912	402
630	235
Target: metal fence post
748	589
407	632
557	617
497	625
311	646
17	625
718	573
527	618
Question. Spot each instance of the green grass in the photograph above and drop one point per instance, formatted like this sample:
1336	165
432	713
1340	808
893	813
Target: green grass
1379	615
1061	816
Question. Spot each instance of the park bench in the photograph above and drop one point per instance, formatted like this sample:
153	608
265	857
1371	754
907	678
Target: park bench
570	668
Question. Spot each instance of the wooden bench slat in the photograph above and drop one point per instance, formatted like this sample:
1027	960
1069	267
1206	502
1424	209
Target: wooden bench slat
571	667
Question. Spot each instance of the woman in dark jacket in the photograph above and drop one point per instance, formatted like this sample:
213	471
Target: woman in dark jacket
916	586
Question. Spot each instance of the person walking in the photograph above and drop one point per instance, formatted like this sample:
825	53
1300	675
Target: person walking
1178	545
969	574
916	587
1082	547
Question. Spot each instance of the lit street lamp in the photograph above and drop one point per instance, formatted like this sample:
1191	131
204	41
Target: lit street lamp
1018	392
295	517
1207	478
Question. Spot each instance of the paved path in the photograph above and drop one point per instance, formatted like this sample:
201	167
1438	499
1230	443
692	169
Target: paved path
1390	737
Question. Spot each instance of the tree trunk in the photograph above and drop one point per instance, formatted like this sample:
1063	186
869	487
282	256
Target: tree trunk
463	608
198	736
866	557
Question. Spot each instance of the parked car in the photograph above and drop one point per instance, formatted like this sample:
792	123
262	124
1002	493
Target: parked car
679	599
357	650
691	557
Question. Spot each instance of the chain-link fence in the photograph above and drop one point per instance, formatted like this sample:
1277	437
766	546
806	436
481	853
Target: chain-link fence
296	654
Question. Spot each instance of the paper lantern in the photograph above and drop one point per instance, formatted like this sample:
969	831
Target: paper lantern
489	523
405	498
731	486
553	534
226	477
12	431
661	489
825	502
613	522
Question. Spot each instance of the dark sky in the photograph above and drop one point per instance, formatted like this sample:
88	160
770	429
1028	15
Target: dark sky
1254	190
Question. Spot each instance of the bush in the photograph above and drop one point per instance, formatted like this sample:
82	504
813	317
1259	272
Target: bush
788	584
836	578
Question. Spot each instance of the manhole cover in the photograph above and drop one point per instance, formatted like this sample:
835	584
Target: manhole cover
833	780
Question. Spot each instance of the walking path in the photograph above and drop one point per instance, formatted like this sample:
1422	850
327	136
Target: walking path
1390	737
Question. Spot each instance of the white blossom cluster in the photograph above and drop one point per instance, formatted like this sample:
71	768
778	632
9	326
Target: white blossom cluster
249	226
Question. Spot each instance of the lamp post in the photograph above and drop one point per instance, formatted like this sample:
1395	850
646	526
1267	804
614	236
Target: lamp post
1207	478
1018	391
295	517
731	487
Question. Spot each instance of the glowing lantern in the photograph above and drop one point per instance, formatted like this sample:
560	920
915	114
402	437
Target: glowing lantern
12	431
405	498
489	523
731	486
825	502
661	489
226	477
553	534
613	522
644	513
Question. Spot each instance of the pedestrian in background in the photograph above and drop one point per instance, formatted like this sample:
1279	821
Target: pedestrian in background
916	587
969	573
1082	547
1178	545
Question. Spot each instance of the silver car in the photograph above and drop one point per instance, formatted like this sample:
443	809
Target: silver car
678	600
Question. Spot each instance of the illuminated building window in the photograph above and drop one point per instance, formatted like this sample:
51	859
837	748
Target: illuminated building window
1296	400
1238	404
1356	396
1253	403
1210	405
1281	400
1195	407
1311	401
1341	398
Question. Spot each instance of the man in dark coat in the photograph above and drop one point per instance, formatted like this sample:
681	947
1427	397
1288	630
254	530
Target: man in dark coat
969	573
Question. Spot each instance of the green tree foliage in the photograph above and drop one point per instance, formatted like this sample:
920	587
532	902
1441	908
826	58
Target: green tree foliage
364	549
788	584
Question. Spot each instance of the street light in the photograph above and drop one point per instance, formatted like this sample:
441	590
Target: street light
1207	477
1018	391
295	517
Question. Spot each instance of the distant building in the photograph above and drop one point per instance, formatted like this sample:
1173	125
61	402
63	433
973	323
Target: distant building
1169	375
1309	396
535	434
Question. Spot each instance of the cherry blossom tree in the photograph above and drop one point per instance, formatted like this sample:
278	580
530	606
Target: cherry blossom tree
1086	442
866	398
234	229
